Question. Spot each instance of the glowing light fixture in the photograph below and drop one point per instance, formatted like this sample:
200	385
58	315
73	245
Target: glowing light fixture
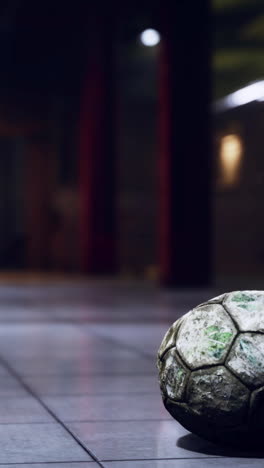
150	37
231	150
252	92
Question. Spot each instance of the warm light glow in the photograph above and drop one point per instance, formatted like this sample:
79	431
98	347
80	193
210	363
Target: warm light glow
150	37
231	151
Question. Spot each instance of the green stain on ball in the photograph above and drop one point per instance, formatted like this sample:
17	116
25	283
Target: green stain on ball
243	298
253	354
217	339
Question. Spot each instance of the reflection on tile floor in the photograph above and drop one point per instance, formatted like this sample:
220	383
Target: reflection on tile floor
112	407
136	440
78	383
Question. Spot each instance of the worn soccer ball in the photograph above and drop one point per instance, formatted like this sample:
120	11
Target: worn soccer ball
211	369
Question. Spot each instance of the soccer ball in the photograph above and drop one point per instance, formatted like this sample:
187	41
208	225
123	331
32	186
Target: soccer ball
211	369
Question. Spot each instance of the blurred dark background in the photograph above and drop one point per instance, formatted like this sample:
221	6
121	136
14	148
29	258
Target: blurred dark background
119	156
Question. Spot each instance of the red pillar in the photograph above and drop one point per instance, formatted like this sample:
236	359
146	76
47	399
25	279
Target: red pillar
185	173
97	155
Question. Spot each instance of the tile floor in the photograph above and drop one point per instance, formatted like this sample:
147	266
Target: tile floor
78	383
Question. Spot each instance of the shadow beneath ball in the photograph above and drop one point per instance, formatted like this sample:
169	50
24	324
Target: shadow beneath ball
193	443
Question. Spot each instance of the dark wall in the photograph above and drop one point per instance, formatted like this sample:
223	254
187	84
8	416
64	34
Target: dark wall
11	202
137	157
238	210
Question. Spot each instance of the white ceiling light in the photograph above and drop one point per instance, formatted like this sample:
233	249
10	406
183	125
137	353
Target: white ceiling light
150	37
252	92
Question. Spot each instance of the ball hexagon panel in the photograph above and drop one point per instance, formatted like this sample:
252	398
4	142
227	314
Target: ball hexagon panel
173	376
205	336
169	338
246	359
247	309
215	394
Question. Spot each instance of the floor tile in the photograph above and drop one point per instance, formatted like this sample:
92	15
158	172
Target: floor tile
93	385
108	407
143	337
88	349
40	338
49	349
114	313
63	367
73	356
35	443
9	387
136	441
55	340
3	371
187	463
23	410
23	314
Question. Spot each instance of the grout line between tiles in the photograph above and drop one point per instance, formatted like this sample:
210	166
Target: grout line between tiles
118	460
43	404
166	459
92	374
115	341
93	321
36	423
92	421
47	463
64	395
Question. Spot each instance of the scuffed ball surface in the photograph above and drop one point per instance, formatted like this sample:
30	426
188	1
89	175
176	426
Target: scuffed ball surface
204	338
211	368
